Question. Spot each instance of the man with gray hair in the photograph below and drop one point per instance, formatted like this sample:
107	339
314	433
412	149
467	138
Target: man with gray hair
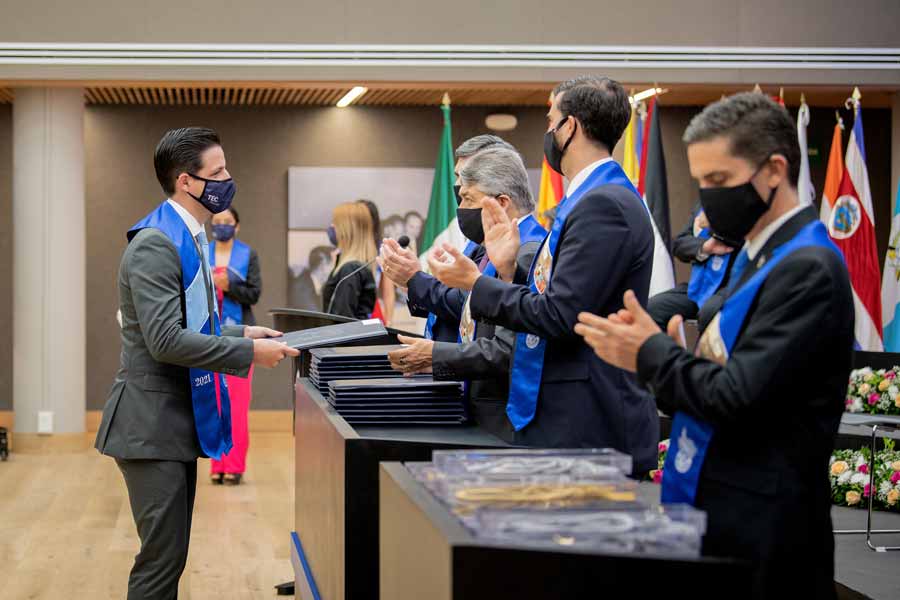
483	354
428	297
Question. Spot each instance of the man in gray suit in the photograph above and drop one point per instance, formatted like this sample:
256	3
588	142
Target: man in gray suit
484	353
154	422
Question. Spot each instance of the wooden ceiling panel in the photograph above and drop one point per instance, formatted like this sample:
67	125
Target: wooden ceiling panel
173	93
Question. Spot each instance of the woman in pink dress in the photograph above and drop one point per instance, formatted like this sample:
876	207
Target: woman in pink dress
238	285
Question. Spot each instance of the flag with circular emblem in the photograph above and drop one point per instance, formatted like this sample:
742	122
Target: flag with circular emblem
851	225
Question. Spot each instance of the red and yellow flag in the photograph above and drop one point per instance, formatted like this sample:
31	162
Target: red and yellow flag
550	193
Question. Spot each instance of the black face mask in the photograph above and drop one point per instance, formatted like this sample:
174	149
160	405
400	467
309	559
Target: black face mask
733	211
470	223
456	189
552	152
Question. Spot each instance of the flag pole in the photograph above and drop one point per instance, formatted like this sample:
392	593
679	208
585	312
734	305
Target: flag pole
853	101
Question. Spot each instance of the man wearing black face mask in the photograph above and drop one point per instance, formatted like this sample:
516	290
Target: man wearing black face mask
601	244
482	356
757	407
428	298
162	414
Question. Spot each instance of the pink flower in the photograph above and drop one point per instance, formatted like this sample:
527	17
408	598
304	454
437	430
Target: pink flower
867	490
890	375
663	447
863	468
657	476
848	401
895	477
873	399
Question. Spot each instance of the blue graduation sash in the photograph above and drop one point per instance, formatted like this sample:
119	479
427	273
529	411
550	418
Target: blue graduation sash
528	357
239	264
690	436
706	277
429	324
213	428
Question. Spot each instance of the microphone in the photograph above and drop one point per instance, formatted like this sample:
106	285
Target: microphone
403	241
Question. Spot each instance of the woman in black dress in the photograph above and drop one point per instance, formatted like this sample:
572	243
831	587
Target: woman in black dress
350	289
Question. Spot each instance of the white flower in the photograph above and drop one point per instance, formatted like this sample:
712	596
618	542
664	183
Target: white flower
857	405
893	391
860	460
844	477
831	460
885	487
859	478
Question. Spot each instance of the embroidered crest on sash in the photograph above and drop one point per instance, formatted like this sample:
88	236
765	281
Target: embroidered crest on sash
711	345
466	323
684	456
542	268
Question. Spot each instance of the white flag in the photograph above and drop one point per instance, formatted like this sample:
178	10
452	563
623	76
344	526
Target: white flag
805	189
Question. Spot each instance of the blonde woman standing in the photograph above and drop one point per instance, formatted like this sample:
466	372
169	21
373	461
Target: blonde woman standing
350	289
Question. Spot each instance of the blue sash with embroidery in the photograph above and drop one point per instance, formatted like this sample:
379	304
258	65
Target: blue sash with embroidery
528	357
238	265
213	427
429	324
690	437
707	277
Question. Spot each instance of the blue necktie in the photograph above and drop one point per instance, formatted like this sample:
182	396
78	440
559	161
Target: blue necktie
740	263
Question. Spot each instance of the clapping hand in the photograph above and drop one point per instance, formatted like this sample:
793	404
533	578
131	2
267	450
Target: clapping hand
501	238
714	247
453	268
397	263
618	338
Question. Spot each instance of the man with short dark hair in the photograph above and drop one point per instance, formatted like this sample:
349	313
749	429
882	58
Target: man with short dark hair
757	408
162	413
601	244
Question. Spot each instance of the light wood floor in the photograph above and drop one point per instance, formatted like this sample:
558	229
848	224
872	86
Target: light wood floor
66	529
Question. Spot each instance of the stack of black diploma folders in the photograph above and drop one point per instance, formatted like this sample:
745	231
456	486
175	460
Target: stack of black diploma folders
361	386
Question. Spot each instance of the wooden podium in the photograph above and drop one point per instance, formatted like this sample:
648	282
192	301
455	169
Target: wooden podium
335	545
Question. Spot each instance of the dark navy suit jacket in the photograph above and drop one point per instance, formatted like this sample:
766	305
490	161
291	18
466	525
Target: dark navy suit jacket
604	249
428	295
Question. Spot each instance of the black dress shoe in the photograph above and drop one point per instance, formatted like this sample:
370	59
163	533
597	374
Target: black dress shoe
216	478
232	478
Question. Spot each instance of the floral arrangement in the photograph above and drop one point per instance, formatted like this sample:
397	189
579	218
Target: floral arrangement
874	392
849	474
656	474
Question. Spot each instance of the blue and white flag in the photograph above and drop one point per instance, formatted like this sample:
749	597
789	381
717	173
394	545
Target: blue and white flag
890	285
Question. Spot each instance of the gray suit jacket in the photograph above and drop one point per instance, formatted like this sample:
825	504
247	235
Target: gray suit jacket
149	414
485	361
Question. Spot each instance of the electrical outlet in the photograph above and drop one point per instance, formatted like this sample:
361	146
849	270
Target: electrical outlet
45	421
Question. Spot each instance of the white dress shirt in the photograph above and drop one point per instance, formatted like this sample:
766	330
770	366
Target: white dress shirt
195	228
584	174
193	224
755	245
